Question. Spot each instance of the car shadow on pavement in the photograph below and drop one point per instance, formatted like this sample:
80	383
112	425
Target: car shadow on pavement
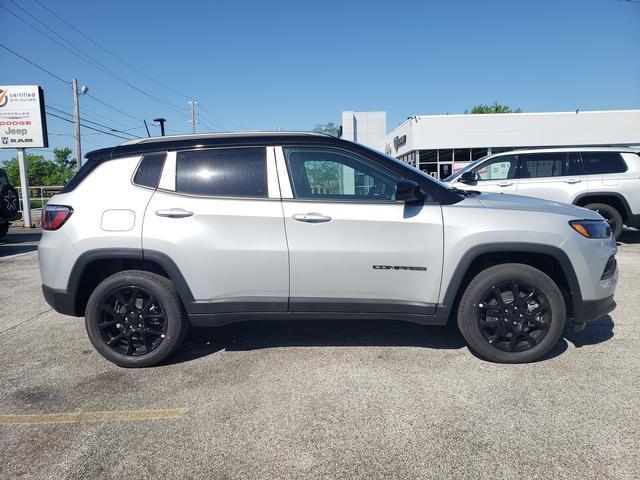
598	331
255	335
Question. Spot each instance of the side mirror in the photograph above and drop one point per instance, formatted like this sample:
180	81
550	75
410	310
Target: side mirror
408	191
468	177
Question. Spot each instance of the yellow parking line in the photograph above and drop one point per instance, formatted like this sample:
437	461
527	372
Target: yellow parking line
88	417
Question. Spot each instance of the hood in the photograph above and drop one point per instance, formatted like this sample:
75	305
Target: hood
517	202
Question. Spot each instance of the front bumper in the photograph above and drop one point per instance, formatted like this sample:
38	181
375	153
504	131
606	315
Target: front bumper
590	310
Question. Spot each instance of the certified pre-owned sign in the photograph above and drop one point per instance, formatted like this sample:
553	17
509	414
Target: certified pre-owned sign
22	120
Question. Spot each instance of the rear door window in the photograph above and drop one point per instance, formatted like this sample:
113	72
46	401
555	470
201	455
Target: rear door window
551	164
223	172
598	163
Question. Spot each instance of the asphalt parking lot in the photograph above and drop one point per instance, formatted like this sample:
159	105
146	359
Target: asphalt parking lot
314	400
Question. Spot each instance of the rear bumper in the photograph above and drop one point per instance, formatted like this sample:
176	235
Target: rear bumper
61	301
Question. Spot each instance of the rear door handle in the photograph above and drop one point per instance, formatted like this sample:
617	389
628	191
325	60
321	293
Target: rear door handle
505	184
572	180
174	213
311	217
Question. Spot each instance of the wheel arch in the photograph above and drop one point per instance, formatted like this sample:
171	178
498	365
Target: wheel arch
551	260
614	199
95	265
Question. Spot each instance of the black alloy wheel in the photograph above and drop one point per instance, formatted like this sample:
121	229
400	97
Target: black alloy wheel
136	319
514	317
133	321
512	313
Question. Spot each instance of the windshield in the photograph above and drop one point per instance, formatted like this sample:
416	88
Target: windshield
465	169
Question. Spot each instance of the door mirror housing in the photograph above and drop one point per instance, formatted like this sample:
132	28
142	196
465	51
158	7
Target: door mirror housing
408	191
468	177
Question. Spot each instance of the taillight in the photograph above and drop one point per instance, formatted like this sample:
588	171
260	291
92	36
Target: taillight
54	216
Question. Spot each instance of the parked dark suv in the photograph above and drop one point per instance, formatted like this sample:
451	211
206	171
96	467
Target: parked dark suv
8	203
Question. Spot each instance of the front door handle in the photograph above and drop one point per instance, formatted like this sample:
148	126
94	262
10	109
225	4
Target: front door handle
505	184
311	217
572	180
174	213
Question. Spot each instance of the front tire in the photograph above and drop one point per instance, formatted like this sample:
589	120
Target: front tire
135	319
512	313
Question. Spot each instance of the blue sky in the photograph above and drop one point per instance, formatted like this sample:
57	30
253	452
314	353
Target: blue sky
290	65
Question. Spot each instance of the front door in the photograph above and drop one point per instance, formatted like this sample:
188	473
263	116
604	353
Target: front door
495	175
352	246
217	215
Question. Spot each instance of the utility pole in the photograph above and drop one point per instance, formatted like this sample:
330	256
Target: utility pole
193	104
76	121
24	186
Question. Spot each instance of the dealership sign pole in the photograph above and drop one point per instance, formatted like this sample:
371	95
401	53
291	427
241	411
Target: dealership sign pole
23	125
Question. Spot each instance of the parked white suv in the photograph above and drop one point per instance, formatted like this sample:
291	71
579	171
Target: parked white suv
156	234
604	179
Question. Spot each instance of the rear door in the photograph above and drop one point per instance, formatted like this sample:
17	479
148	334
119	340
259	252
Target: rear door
556	176
217	216
353	247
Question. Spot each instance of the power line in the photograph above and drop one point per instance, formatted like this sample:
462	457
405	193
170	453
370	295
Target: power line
89	121
68	84
109	52
87	58
36	65
112	107
86	126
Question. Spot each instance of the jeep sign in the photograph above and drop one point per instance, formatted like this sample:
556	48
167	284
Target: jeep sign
22	120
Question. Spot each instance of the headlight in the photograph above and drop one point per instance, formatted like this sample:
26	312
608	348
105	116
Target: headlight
591	228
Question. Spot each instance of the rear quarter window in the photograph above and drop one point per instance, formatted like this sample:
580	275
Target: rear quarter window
603	162
149	170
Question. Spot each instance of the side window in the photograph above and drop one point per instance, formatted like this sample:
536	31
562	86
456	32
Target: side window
225	172
603	162
149	170
558	164
321	173
499	168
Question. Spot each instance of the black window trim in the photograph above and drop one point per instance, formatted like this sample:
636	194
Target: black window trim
220	197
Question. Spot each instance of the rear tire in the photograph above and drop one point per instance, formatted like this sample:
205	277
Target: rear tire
501	329
611	215
4	228
135	319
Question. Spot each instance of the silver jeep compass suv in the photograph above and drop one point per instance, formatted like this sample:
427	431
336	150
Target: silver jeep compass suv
157	234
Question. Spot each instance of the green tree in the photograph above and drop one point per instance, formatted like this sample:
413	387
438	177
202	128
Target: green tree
494	108
42	171
329	128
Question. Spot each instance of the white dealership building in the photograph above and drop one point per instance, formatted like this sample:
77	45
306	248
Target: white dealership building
442	144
